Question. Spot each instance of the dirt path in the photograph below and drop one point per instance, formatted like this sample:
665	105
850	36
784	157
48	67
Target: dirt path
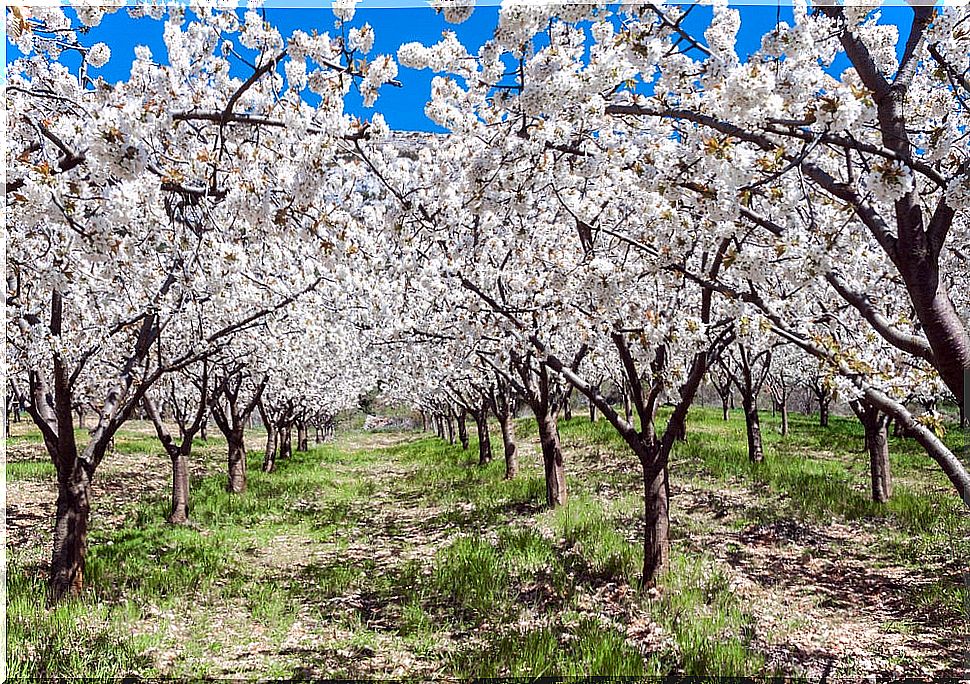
340	589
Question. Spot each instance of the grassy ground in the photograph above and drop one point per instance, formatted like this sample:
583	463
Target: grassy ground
395	556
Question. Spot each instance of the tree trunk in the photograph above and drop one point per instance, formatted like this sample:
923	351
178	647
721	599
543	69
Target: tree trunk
73	512
752	425
451	429
823	412
237	463
592	412
301	437
269	457
944	329
508	441
898	430
725	409
463	429
784	417
627	406
567	410
552	461
318	435
180	488
484	440
285	436
203	433
656	523
877	441
875	425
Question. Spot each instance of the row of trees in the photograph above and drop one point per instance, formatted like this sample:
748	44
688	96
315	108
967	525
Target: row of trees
618	202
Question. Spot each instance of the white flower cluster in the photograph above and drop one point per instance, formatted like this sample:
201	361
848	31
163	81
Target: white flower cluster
518	21
889	181
445	55
722	34
380	71
344	10
455	11
98	55
838	110
258	33
958	193
361	39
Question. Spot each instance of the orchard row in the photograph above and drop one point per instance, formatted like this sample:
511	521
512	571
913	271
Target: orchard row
622	207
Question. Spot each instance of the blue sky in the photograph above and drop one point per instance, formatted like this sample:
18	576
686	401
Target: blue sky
403	107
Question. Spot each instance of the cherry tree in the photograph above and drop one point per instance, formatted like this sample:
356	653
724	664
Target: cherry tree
858	156
187	398
128	204
746	364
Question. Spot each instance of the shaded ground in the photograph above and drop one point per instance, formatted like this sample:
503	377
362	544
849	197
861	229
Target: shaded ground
136	469
346	575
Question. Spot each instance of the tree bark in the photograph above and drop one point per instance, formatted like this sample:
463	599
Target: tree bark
944	329
784	417
725	409
752	424
269	456
302	444
301	437
656	538
179	514
898	430
875	424
555	471
484	440
463	429
237	462
285	436
73	511
511	449
877	441
823	413
592	412
627	406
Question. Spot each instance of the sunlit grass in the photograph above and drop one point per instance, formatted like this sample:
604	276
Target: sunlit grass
505	593
29	470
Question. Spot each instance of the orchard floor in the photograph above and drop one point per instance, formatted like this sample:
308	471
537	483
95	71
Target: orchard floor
394	555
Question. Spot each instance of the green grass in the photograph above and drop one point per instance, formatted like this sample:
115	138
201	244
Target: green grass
29	470
814	474
148	562
600	549
586	648
483	584
80	638
507	589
